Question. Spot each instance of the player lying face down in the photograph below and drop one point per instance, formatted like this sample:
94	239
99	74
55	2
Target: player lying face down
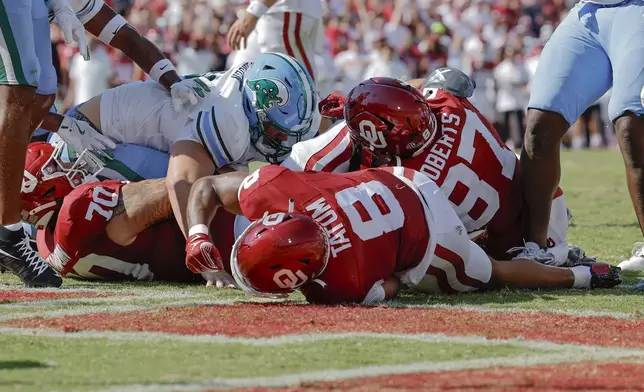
110	230
356	237
441	134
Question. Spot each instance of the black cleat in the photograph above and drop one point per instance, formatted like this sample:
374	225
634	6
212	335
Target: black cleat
18	256
603	276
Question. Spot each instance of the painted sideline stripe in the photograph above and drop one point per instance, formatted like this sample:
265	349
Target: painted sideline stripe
373	371
102	308
311	338
108	299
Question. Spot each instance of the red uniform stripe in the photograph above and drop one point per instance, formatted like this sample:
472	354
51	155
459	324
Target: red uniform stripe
408	174
300	47
345	155
459	266
558	192
287	42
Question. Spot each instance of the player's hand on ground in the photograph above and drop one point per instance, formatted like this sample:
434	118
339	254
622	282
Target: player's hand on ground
219	279
188	91
240	30
332	106
80	135
202	255
72	28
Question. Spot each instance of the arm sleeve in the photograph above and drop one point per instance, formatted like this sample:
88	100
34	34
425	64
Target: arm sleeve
329	152
223	131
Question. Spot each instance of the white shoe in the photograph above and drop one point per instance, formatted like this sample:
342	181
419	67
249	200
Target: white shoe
532	251
636	262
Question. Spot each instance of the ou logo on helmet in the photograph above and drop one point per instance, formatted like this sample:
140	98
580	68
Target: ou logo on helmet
373	136
29	182
286	279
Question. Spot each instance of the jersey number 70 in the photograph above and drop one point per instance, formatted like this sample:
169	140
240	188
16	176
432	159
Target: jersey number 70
102	203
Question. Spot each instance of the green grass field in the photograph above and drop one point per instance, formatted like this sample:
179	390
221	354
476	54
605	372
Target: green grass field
156	336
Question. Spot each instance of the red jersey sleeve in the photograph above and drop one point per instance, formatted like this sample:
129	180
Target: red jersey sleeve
82	218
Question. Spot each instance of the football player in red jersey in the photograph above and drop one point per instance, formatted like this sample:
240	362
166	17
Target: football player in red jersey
355	237
442	135
110	230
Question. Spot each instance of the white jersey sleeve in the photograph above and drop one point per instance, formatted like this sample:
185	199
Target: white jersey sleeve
221	124
329	152
85	9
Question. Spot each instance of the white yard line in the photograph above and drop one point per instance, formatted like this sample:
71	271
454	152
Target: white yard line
107	308
103	299
384	370
494	309
91	309
311	338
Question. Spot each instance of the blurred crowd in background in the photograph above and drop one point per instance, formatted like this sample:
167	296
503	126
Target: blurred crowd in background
496	42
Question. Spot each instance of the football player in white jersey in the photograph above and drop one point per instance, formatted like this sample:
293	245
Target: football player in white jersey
258	111
292	27
255	111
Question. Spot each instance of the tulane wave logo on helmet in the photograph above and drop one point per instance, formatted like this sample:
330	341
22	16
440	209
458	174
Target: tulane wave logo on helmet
269	92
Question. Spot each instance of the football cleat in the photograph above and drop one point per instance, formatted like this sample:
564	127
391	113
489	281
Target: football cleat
532	251
603	276
577	256
18	256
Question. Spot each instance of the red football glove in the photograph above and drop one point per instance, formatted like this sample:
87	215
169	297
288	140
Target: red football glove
202	255
333	106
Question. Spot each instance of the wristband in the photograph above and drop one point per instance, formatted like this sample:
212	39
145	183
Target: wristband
257	8
160	68
198	229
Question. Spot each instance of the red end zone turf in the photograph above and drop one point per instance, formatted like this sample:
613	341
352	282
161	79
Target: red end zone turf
588	376
263	320
7	296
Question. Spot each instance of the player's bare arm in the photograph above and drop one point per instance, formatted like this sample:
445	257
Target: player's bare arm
243	26
210	193
189	161
90	109
140	205
206	196
530	274
112	29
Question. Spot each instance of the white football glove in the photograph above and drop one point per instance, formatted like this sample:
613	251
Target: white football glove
189	90
220	279
73	29
80	135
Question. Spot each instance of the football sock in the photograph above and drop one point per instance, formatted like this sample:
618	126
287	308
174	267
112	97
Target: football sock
582	277
13	226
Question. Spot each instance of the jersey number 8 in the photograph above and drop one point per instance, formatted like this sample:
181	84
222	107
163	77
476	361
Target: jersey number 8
372	209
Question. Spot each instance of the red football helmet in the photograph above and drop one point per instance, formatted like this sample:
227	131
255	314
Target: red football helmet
44	184
389	117
279	253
